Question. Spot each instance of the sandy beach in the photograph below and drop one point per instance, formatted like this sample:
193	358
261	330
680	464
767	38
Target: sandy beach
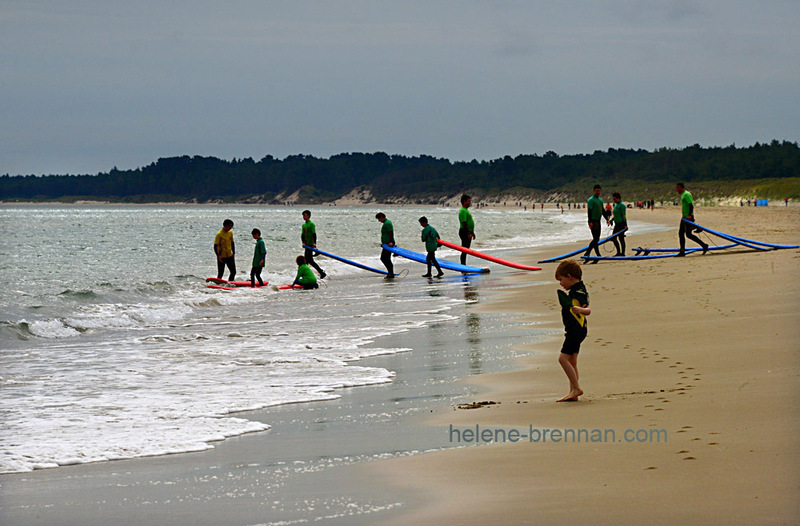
690	373
696	358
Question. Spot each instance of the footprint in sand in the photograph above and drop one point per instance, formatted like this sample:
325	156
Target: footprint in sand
689	458
650	467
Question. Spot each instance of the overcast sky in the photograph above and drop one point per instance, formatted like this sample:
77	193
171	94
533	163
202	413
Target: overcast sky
86	85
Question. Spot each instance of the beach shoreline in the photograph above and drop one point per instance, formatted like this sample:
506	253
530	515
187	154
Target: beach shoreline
511	482
696	356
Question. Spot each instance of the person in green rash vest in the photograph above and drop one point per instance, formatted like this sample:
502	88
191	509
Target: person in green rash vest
466	226
594	209
431	239
620	220
308	237
687	212
387	238
259	259
305	277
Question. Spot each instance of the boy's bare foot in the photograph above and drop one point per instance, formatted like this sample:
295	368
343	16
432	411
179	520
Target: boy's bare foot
572	396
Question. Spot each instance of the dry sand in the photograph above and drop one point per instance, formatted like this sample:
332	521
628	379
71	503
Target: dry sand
705	348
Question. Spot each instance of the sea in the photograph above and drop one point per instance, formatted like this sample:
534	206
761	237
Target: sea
113	347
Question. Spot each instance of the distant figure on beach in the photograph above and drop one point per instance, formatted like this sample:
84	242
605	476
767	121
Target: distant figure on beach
308	236
259	259
387	238
225	250
466	230
594	208
574	309
430	237
687	212
620	221
305	277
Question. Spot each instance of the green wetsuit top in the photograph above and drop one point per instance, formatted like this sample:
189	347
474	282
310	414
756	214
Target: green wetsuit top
687	206
464	216
259	253
387	233
305	276
430	237
309	234
594	207
620	213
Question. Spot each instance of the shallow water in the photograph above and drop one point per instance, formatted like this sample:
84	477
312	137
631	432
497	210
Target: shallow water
112	346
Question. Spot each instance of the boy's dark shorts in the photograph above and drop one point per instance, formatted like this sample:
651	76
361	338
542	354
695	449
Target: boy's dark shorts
572	341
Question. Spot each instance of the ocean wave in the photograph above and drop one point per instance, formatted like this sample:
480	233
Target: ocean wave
50	329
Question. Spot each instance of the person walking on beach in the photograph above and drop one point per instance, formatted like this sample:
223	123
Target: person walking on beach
259	259
387	238
305	277
308	237
430	237
687	213
594	208
225	250
466	230
574	309
620	220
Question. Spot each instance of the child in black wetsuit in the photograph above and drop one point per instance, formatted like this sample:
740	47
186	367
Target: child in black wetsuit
574	309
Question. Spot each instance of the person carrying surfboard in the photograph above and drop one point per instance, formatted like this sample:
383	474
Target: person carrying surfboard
308	236
305	277
620	220
387	238
687	212
225	250
574	309
430	237
594	209
259	259
466	230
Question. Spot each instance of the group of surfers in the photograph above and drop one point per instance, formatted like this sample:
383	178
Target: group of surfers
225	249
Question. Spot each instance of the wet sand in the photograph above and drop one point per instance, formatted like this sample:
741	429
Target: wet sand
698	356
702	350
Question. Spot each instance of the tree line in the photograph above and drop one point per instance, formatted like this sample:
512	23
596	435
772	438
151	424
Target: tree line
204	179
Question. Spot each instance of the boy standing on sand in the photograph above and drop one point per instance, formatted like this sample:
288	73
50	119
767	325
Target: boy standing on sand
308	237
431	239
574	309
466	230
225	250
259	259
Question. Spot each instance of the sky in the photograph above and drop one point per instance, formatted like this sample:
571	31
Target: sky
89	85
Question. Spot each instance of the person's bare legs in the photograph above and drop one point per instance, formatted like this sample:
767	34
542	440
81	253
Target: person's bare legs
569	362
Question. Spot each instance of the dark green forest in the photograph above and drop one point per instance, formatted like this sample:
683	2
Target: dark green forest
389	177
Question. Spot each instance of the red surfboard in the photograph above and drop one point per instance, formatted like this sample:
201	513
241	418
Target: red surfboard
226	283
486	256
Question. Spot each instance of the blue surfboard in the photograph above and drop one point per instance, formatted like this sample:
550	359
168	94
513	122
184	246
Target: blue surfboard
563	256
345	260
421	258
741	240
